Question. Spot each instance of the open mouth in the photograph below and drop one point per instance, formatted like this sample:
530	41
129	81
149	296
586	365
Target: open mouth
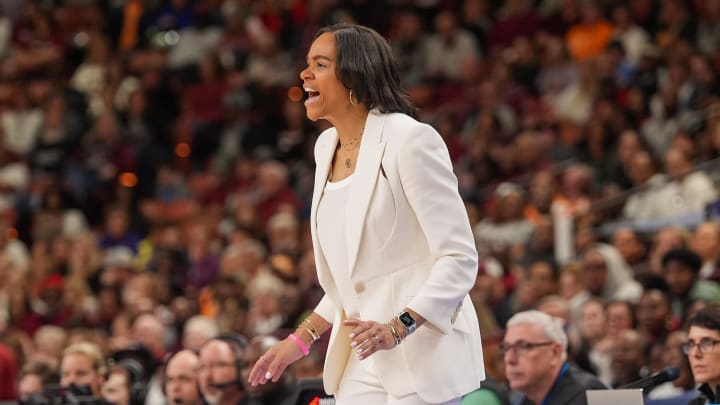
313	95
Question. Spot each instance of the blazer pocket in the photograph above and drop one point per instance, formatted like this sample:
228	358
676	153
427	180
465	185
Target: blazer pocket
382	215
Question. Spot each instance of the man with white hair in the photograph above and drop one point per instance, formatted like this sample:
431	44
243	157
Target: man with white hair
198	330
535	354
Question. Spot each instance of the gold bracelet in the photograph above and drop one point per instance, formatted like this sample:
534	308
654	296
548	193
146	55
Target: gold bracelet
307	325
311	328
394	332
313	336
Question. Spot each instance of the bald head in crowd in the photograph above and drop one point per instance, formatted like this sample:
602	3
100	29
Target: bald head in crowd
181	379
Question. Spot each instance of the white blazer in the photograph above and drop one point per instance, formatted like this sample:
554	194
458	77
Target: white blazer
405	195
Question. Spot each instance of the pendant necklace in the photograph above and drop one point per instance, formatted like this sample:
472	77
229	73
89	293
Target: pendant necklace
351	146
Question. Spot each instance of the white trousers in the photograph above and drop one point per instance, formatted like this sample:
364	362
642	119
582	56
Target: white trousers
361	386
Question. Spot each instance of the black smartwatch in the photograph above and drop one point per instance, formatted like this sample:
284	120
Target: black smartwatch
407	321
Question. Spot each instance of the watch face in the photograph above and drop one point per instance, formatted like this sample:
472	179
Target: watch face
407	319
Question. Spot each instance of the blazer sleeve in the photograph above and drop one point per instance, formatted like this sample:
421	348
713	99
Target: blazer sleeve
431	189
325	309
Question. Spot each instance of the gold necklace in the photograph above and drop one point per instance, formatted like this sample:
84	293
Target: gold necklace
348	148
351	146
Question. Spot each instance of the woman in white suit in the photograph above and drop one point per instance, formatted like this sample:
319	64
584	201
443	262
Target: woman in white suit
393	246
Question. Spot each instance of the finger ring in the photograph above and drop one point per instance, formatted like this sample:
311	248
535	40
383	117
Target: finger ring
377	340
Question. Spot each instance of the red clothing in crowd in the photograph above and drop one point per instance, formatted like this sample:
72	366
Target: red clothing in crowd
8	374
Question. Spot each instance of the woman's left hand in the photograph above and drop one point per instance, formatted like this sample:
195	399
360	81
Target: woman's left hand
369	337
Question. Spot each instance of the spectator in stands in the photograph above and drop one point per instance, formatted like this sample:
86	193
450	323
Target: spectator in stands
34	378
688	192
541	281
448	48
220	377
608	276
118	230
150	331
204	261
8	373
632	249
703	337
675	24
673	356
505	227
646	182
83	365
198	330
575	191
118	383
515	19
632	36
706	243
595	342
654	315
181	384
627	357
571	287
409	43
589	37
535	353
49	343
540	244
680	270
666	239
620	316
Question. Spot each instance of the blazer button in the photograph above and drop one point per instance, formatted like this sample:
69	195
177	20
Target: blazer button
359	288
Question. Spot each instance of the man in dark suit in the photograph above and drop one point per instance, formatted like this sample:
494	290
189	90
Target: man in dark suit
535	354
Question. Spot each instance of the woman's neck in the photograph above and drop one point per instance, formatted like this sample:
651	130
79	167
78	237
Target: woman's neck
351	125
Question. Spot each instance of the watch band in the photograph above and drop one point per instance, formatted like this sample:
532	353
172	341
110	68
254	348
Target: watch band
407	321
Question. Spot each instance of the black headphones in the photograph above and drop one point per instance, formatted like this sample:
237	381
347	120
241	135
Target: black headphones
238	344
138	380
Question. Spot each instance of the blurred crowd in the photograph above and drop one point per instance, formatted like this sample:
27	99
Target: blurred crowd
156	170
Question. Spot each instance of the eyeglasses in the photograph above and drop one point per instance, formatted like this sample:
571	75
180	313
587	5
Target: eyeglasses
521	347
706	345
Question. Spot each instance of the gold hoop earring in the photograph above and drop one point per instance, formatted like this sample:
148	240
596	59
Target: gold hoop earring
351	100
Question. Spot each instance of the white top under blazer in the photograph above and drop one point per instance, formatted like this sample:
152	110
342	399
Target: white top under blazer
331	233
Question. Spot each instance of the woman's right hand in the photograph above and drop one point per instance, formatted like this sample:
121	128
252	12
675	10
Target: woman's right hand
273	363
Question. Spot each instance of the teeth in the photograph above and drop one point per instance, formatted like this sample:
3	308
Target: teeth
308	89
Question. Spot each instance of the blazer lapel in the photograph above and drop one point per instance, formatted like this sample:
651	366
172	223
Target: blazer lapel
363	183
322	169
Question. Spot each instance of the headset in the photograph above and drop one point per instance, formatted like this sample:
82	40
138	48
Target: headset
138	380
238	344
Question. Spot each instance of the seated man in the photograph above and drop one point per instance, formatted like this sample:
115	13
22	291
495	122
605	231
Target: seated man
220	374
535	354
703	336
181	379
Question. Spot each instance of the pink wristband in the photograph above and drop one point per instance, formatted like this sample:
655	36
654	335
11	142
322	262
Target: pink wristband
300	343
